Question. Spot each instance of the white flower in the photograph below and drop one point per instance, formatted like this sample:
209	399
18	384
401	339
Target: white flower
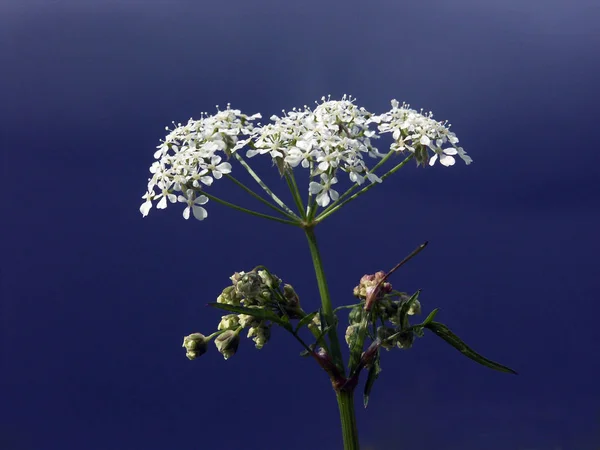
147	205
324	190
192	204
446	158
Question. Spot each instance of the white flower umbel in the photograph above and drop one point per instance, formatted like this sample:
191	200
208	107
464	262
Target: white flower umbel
334	137
413	131
189	159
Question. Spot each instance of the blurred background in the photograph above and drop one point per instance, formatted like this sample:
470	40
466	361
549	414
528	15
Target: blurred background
95	299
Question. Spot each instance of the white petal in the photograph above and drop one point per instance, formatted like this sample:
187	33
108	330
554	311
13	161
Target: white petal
323	199
424	140
450	151
199	212
162	204
145	208
224	167
314	187
186	213
334	194
201	200
433	159
447	160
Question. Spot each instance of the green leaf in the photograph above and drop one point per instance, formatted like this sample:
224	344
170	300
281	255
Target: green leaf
306	320
430	317
374	371
444	332
259	313
322	335
403	310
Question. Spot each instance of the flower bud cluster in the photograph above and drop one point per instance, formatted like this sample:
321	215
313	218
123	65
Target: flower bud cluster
390	309
368	283
257	289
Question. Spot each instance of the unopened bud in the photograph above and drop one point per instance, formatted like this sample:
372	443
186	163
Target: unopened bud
228	322
415	308
383	334
260	335
249	285
271	280
290	295
196	344
227	343
229	296
352	334
405	339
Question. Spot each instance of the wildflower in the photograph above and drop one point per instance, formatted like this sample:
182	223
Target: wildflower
323	190
193	203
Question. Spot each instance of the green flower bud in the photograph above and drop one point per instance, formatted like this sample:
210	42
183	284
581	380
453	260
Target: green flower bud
249	285
227	343
196	344
405	339
228	322
415	308
271	280
260	335
383	333
229	296
352	334
247	321
290	295
355	315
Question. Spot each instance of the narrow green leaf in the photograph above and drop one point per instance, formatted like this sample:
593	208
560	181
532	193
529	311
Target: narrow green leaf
444	332
430	317
403	310
306	320
374	371
262	314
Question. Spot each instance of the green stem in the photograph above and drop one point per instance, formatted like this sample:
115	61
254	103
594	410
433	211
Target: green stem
259	198
262	184
339	204
345	401
345	398
291	181
334	343
247	211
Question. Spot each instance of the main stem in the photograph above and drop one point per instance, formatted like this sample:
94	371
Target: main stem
345	398
345	401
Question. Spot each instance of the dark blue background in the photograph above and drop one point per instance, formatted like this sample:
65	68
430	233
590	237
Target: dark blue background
96	300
